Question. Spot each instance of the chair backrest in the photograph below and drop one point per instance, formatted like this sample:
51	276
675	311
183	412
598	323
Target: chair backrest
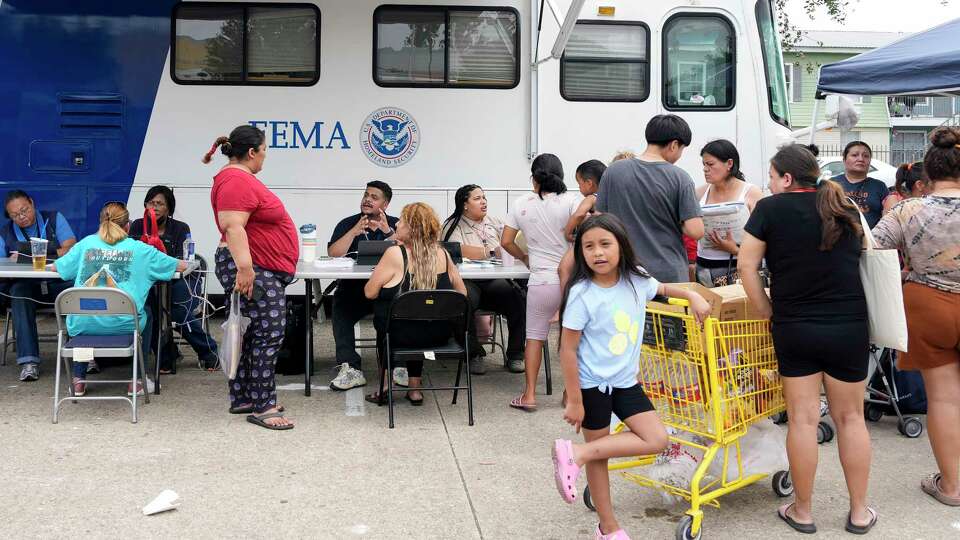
369	252
453	248
101	301
430	305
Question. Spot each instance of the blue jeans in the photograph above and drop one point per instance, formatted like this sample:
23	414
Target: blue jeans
25	313
189	324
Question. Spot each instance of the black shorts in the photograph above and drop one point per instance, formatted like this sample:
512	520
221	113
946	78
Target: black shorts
624	402
840	349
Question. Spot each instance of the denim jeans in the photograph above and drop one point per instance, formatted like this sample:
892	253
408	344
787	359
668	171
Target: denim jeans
25	313
349	307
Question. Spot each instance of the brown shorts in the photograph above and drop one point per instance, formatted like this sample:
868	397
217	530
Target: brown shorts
933	326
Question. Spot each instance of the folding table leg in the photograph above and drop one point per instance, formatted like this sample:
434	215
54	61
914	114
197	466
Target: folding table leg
308	350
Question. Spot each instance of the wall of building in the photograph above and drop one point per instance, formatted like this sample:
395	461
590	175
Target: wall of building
873	110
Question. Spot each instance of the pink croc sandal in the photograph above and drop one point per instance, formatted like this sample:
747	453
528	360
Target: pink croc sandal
618	534
565	470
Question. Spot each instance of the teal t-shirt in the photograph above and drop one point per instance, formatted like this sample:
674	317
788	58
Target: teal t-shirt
611	324
132	265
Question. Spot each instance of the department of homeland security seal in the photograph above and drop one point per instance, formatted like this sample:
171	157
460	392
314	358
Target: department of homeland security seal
390	137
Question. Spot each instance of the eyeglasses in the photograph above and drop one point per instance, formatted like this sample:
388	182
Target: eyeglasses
24	212
157	204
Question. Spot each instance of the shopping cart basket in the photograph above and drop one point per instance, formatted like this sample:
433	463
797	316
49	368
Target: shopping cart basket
709	384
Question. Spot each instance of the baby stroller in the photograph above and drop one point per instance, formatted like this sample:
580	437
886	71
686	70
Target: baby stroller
880	395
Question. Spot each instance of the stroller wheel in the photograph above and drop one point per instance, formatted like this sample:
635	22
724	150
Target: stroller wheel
782	485
779	418
824	433
910	427
873	413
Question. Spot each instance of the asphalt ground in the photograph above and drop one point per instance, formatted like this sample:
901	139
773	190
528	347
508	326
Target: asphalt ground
342	474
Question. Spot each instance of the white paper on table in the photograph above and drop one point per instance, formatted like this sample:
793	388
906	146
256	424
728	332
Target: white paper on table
429	355
334	262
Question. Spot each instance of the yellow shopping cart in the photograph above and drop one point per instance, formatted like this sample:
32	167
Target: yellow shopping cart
709	384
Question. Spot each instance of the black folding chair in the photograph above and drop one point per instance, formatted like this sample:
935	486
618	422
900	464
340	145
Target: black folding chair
430	306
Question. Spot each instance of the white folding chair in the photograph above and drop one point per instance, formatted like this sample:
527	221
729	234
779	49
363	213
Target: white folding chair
98	301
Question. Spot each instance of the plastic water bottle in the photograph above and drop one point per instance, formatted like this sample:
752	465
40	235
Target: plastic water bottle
189	249
308	239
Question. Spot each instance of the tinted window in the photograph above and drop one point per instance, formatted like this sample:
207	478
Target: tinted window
605	62
245	43
699	65
446	47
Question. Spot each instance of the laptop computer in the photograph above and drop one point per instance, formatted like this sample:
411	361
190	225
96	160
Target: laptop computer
370	251
453	248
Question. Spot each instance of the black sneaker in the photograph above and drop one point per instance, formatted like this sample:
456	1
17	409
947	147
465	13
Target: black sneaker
477	367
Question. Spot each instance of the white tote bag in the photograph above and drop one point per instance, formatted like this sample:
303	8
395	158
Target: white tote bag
233	329
880	274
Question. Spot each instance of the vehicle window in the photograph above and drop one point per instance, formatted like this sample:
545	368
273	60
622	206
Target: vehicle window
606	62
835	168
698	62
773	63
228	43
446	47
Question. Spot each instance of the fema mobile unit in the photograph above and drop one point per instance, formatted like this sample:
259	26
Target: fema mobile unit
101	99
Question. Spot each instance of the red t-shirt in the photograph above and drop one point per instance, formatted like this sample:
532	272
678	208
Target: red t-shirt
270	231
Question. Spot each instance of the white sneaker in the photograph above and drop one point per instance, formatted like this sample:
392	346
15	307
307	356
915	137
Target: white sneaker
401	377
347	378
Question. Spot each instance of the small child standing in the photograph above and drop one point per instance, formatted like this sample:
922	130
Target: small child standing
602	328
588	180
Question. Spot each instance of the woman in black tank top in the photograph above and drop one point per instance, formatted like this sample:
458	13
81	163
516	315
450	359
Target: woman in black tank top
419	264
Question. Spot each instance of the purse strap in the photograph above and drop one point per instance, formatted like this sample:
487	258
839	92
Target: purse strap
869	244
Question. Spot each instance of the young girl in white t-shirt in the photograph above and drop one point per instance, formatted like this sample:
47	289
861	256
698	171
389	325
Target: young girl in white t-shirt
602	334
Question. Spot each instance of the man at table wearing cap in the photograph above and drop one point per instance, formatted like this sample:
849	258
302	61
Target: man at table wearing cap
26	222
349	303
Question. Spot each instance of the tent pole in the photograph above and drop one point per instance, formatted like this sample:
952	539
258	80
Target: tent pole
813	121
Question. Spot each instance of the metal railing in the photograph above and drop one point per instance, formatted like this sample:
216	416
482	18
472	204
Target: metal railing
923	106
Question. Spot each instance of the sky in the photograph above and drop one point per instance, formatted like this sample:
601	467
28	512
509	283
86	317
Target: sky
879	15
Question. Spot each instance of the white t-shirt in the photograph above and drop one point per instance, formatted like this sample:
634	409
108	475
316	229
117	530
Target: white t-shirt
542	222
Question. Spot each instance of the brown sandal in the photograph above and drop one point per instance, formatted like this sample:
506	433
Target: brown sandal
931	486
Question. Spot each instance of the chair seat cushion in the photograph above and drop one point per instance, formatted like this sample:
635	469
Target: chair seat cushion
100	342
450	348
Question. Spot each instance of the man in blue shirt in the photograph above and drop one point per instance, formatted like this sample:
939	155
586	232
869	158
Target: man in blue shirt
349	303
26	222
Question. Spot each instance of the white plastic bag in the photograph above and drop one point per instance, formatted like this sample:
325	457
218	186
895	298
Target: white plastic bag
880	274
233	329
764	449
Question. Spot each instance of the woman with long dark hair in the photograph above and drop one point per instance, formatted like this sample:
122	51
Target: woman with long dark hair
541	216
927	231
479	235
728	198
257	257
810	234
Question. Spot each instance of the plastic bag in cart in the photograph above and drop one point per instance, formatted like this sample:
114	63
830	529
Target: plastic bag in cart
764	451
232	343
675	466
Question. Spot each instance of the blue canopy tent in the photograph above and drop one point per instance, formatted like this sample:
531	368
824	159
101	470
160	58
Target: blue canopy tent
926	63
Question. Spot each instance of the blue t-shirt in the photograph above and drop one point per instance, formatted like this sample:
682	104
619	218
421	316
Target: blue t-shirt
132	265
868	195
611	324
63	229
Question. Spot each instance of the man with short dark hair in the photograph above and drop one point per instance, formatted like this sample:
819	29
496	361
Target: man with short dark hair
655	199
349	303
26	222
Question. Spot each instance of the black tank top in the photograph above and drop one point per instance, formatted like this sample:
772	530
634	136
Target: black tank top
411	333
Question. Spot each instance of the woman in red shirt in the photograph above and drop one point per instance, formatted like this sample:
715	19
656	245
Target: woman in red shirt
257	257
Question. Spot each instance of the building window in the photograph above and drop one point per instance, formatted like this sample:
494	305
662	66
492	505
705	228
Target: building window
446	47
699	63
224	43
606	61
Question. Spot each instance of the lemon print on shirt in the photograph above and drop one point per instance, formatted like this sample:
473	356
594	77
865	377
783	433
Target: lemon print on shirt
627	332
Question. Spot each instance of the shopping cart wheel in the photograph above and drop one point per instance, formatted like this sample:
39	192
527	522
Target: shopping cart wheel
910	427
782	485
587	500
685	528
873	413
780	418
824	433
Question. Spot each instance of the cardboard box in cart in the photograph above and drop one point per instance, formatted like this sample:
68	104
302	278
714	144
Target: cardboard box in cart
729	303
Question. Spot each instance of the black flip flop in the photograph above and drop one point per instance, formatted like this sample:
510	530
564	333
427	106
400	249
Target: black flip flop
247	409
805	528
377	399
259	420
862	529
414	402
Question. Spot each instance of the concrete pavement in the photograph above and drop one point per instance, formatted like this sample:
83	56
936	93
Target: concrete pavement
342	474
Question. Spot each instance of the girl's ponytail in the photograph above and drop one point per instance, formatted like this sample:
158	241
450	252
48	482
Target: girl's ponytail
836	214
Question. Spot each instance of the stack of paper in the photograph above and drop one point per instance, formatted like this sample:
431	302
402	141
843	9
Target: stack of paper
334	263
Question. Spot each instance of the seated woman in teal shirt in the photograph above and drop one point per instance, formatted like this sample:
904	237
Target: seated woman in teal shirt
111	259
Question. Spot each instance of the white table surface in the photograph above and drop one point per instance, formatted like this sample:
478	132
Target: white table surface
11	269
467	271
